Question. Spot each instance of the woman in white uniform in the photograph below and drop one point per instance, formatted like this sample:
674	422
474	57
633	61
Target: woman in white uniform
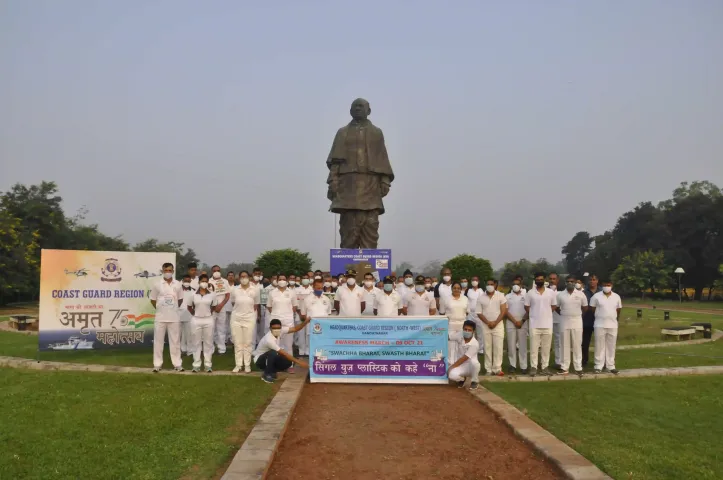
246	299
456	307
202	324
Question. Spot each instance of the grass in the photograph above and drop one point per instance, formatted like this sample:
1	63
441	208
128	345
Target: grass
86	425
674	304
645	428
635	331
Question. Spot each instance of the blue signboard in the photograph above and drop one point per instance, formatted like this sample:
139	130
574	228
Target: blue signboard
379	350
376	262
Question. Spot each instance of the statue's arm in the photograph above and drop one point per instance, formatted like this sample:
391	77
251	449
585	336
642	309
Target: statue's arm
333	179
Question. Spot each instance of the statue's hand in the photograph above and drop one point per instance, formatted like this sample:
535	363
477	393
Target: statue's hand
385	189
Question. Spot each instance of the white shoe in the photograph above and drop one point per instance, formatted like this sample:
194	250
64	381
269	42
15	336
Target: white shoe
247	369
236	370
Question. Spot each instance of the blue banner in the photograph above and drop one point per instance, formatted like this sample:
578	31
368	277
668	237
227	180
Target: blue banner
379	350
376	262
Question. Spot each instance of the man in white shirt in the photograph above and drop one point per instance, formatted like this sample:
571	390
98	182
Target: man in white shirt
193	273
467	366
517	327
370	294
443	290
389	303
491	311
540	302
185	317
421	302
316	305
473	293
231	279
349	298
166	296
301	337
606	306
223	292
407	288
269	354
572	303
257	280
282	304
553	279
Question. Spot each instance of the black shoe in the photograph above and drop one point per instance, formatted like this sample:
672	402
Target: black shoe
179	369
267	378
533	372
156	370
546	372
580	373
473	386
597	372
614	371
512	371
460	384
557	367
524	371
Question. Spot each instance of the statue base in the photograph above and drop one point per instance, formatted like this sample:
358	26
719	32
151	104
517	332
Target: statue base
378	262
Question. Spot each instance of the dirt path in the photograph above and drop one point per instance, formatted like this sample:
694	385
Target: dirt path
676	309
372	432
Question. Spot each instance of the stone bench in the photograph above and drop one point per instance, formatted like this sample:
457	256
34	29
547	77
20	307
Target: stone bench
23	322
678	332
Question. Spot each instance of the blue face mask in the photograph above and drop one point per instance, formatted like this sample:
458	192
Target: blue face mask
388	287
467	334
318	292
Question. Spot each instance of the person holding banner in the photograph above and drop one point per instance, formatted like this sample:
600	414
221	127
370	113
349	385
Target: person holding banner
389	303
245	299
201	307
316	305
467	365
456	307
166	296
283	304
270	357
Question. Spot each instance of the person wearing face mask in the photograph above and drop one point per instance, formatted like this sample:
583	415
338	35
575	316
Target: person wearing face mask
473	293
606	306
257	280
292	281
573	305
185	316
456	307
443	290
202	323
193	273
516	327
301	337
429	285
349	298
407	287
588	319
467	365
553	280
435	282
370	294
316	305
389	303
491	310
166	296
222	290
245	299
231	279
283	304
268	287
540	302
270	356
421	302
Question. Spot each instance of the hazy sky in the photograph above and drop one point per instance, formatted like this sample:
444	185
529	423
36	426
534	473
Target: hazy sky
510	125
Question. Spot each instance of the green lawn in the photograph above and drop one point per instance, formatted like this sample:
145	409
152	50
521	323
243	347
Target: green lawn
633	330
88	426
672	304
644	428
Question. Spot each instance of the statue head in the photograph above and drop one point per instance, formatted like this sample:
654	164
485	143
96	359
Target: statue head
360	109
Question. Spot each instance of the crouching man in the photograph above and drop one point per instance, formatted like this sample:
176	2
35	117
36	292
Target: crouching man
468	365
270	357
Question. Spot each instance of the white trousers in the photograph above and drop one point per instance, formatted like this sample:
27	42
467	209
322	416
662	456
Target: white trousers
469	369
494	339
302	339
517	337
605	342
219	320
557	339
186	337
174	343
243	332
540	340
228	327
262	324
202	340
572	341
454	326
479	333
286	342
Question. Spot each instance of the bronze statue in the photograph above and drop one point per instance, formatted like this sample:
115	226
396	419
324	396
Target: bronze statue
359	177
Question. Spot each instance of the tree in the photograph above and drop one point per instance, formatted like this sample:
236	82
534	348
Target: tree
19	258
183	258
402	267
287	261
510	270
237	267
430	268
467	266
575	252
38	208
643	271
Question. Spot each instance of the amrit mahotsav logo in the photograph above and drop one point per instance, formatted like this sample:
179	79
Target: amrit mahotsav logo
111	271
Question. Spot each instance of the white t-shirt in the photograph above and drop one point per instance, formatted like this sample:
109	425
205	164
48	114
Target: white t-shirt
456	310
571	303
491	307
194	283
244	300
316	307
473	296
417	304
269	342
202	304
220	288
166	295
369	298
282	304
303	292
445	291
388	305
606	314
183	313
349	301
540	307
469	349
516	305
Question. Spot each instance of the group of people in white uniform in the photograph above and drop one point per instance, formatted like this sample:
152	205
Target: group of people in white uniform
201	314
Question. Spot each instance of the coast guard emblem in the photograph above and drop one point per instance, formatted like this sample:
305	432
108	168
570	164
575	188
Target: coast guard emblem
111	271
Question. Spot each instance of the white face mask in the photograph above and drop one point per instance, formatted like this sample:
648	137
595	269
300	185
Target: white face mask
203	285
257	278
186	285
515	288
275	283
409	281
419	288
607	289
463	285
475	283
368	283
490	288
305	282
351	282
283	284
168	275
434	284
447	279
327	284
276	332
244	281
292	282
578	286
334	284
216	275
427	285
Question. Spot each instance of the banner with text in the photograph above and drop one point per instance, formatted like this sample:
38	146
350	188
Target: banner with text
379	350
376	262
92	300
